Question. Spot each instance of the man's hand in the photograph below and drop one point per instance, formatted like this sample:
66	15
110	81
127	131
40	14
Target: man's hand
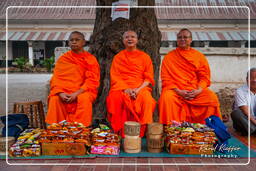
135	92
72	97
69	98
130	92
64	97
182	93
188	95
193	93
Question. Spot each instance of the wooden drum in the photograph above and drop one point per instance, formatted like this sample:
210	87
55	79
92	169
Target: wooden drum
132	128
132	144
155	143
155	128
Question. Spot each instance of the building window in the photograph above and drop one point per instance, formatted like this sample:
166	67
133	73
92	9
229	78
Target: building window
197	44
252	43
50	47
20	49
218	44
234	43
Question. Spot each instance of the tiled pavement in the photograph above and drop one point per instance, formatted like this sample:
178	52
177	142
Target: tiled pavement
104	164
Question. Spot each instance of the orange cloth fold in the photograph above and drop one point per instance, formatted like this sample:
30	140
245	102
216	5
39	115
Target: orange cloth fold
186	70
130	70
71	73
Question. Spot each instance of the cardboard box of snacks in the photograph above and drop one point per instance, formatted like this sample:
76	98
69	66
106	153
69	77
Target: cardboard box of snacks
60	149
65	138
187	138
190	149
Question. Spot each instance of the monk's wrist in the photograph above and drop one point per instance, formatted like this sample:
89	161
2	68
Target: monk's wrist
176	90
200	89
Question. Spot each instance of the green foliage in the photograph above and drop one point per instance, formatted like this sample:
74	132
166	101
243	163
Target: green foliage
48	63
20	62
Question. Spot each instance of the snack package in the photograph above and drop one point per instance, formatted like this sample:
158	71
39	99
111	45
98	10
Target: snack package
27	144
104	141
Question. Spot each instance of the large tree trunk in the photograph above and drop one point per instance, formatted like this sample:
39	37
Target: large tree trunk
106	42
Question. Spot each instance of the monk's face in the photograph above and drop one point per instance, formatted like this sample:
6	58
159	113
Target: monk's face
76	42
184	39
130	39
252	80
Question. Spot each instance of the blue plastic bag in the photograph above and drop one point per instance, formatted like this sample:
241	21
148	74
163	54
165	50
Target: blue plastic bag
221	132
17	123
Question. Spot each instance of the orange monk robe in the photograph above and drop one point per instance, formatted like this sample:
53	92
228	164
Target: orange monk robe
72	72
130	70
186	70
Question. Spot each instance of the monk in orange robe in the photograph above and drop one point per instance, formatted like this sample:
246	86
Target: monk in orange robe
185	76
74	84
130	97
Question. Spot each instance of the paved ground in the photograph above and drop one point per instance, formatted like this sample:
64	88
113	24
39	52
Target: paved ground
22	87
32	86
103	164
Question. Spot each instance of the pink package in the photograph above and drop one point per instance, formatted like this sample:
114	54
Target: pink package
107	150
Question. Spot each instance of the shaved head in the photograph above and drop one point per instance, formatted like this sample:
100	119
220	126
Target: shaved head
185	29
79	33
130	31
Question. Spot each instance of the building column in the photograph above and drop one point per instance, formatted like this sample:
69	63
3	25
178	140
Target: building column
206	44
64	43
30	52
243	44
10	54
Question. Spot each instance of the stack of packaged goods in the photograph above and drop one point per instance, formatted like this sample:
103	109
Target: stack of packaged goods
187	138
132	140
27	144
65	138
155	137
104	141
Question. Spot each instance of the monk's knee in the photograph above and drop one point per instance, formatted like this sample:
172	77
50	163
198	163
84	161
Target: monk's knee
212	95
147	98
115	97
168	96
84	97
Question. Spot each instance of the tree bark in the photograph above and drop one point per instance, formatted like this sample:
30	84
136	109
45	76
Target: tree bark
106	42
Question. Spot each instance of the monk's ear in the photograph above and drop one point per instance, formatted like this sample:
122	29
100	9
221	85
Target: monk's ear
84	43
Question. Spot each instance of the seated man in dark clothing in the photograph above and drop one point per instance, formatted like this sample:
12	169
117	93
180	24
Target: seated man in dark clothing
245	105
